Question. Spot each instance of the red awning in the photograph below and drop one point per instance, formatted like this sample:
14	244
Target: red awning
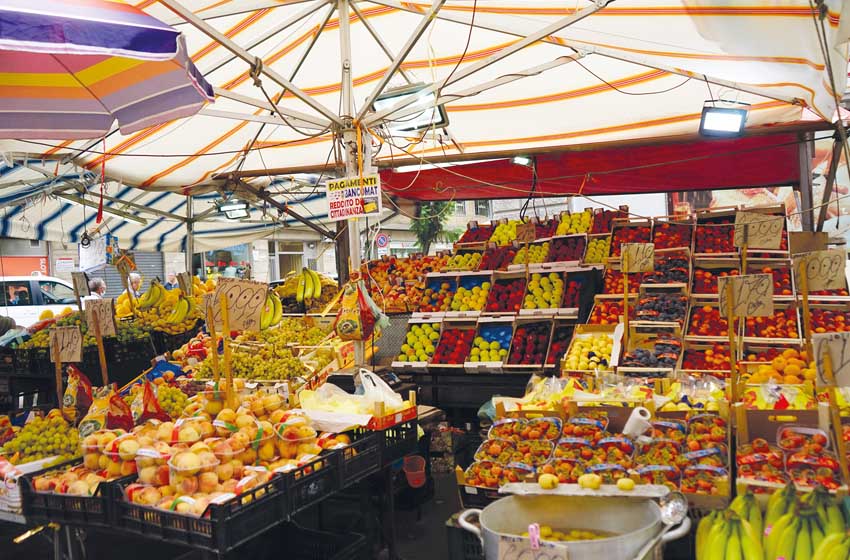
754	161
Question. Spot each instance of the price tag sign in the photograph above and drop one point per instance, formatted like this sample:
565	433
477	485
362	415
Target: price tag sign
638	257
525	233
246	300
517	548
184	280
81	284
824	269
70	341
838	346
105	311
752	294
758	231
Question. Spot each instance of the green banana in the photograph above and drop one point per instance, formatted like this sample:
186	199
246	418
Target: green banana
829	543
787	541
835	519
803	545
703	529
817	531
779	503
733	545
715	545
839	552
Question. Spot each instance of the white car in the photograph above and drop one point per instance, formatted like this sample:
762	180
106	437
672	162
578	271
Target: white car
24	298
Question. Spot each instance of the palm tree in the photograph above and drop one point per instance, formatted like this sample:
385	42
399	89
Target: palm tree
430	224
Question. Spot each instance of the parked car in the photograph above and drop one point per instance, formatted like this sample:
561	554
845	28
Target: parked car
24	298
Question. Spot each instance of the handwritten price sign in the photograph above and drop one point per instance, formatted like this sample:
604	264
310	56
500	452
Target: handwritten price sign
638	257
516	548
81	284
246	300
824	269
525	233
758	231
184	280
105	312
838	346
70	341
752	295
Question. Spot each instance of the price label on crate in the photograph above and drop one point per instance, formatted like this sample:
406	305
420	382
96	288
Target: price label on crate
246	300
824	269
184	280
838	346
752	295
81	284
105	312
70	341
758	231
517	548
525	233
638	257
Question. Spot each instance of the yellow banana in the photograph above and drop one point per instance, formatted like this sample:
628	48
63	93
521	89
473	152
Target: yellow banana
803	546
817	532
266	315
754	515
299	291
703	528
308	284
733	545
840	552
751	546
834	519
787	541
771	539
715	545
777	504
317	284
827	545
278	309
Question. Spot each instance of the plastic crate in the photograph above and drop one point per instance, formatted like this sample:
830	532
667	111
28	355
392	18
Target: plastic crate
309	544
463	545
398	441
164	342
223	528
95	511
312	482
360	459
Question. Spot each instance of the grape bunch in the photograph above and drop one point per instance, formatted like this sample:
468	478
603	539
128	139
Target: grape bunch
267	364
171	399
43	437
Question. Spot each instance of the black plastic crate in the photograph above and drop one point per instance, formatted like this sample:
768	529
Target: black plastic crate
398	441
463	545
164	342
223	527
360	459
475	497
95	511
309	544
312	482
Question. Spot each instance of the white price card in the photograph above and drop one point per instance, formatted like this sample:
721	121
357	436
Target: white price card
70	341
838	346
825	270
104	309
518	548
752	295
246	300
758	231
638	257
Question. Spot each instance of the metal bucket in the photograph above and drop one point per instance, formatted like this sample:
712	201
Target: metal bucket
633	522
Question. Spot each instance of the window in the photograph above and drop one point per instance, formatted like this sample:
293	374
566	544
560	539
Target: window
482	208
17	293
56	293
460	209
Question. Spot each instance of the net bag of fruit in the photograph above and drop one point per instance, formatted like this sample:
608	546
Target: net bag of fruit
358	314
77	398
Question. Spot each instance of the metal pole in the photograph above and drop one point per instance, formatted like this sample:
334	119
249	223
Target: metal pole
190	233
804	151
834	162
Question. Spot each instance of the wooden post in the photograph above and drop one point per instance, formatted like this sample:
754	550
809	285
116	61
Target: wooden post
807	318
730	329
101	354
744	249
214	338
841	450
58	365
625	268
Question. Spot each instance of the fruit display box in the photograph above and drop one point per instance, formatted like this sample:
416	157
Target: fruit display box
570	223
454	345
506	293
472	291
440	288
498	257
629	230
361	458
705	358
464	259
783	327
661	308
671	232
603	220
97	510
529	345
706	271
224	526
705	323
567	248
545	294
530	254
673	272
598	247
608	310
419	342
578	359
612	279
475	236
826	296
490	346
579	286
829	317
562	334
652	353
714	234
784	287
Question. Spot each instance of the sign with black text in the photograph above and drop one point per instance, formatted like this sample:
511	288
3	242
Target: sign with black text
525	233
758	231
824	269
838	347
752	295
354	197
70	342
246	300
638	257
105	312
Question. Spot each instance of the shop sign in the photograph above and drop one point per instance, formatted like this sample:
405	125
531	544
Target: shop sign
64	264
354	197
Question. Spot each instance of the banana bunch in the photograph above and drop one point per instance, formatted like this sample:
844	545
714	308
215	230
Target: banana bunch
725	535
182	309
746	507
800	532
309	285
780	502
272	312
833	547
152	297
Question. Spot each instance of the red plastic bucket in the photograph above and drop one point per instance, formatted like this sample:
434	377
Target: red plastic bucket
414	470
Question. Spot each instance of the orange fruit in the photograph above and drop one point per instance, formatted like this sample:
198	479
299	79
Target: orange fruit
778	363
790	353
792	380
792	369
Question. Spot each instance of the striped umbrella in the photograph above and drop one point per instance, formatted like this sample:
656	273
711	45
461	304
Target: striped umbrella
70	68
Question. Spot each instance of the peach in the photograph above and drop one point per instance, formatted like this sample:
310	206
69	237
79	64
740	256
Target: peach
149	496
127	449
186	462
187	486
166	490
44	484
266	451
207	482
113	469
162	475
188	434
128	468
147	475
229	486
91	461
244	421
224	471
79	488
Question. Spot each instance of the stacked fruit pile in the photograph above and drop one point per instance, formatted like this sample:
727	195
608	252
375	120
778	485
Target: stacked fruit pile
705	279
545	291
612	282
419	344
437	296
476	234
498	258
464	261
295	297
782	324
597	249
573	223
454	345
471	295
664	354
671	269
603	221
126	331
608	312
491	344
589	352
707	321
169	311
560	343
715	235
565	249
662	307
505	233
668	235
43	437
629	234
545	228
505	296
532	254
530	344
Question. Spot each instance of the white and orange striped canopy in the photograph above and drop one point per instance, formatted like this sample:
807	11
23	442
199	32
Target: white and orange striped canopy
634	69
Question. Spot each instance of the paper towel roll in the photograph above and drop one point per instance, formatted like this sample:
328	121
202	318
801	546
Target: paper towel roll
637	423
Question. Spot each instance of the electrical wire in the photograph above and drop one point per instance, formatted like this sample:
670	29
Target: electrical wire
612	86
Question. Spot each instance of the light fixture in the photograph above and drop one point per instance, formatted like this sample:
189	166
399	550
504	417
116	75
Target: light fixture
728	119
431	115
522	160
233	209
426	166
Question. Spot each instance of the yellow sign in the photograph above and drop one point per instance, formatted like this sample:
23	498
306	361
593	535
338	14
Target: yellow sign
354	197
